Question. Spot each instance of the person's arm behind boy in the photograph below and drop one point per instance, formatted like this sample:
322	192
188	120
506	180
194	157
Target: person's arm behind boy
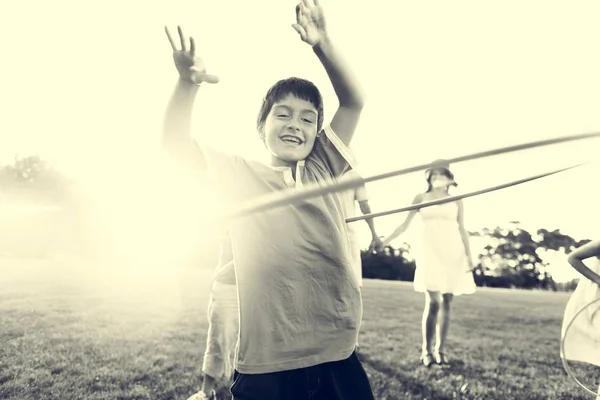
362	198
177	139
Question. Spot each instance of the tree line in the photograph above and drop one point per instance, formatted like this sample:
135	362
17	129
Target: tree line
513	258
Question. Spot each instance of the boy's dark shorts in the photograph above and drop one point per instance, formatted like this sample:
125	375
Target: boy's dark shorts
339	380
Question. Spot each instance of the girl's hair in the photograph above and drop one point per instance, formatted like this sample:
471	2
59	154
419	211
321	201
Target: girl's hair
446	172
301	88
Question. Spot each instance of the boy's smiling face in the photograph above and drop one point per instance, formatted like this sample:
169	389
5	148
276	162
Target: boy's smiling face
290	130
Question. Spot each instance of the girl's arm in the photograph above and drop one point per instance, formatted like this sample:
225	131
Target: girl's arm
402	228
591	249
463	232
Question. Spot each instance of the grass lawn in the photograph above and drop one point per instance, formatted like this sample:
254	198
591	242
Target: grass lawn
80	332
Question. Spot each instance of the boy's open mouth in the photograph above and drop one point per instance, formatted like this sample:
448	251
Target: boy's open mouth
291	139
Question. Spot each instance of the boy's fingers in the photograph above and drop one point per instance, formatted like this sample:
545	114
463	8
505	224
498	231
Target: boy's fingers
304	11
303	8
170	39
210	78
300	30
201	75
182	39
192	46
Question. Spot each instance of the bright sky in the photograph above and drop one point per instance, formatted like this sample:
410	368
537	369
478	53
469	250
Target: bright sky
86	83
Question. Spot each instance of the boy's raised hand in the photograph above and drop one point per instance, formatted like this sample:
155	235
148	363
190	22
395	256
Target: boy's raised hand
310	22
190	67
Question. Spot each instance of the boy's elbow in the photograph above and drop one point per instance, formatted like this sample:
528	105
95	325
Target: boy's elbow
354	99
360	99
185	153
356	103
171	146
174	145
351	110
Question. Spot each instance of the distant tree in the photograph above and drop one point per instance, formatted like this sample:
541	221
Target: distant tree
391	264
56	229
555	240
515	257
35	177
512	258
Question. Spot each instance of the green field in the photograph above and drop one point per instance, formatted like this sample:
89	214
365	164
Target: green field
71	331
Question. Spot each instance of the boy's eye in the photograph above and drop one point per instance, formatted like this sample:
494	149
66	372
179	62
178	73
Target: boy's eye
282	115
307	120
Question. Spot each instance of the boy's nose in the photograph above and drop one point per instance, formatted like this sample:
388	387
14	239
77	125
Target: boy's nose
294	125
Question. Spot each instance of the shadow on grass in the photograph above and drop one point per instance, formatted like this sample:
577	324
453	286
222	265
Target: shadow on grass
407	383
187	339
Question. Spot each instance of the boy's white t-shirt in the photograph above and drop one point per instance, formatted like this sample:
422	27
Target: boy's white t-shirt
300	303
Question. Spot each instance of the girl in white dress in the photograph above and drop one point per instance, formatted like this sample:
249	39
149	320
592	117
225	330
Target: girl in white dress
582	341
444	261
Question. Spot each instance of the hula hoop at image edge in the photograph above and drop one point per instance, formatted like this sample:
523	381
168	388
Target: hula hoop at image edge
564	355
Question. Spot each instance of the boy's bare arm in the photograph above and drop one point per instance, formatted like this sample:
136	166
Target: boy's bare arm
312	29
177	137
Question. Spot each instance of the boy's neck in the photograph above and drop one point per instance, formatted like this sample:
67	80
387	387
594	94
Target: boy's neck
278	162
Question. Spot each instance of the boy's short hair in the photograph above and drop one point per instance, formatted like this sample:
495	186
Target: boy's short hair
301	88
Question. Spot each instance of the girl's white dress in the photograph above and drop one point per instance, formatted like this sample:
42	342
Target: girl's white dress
582	340
442	264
